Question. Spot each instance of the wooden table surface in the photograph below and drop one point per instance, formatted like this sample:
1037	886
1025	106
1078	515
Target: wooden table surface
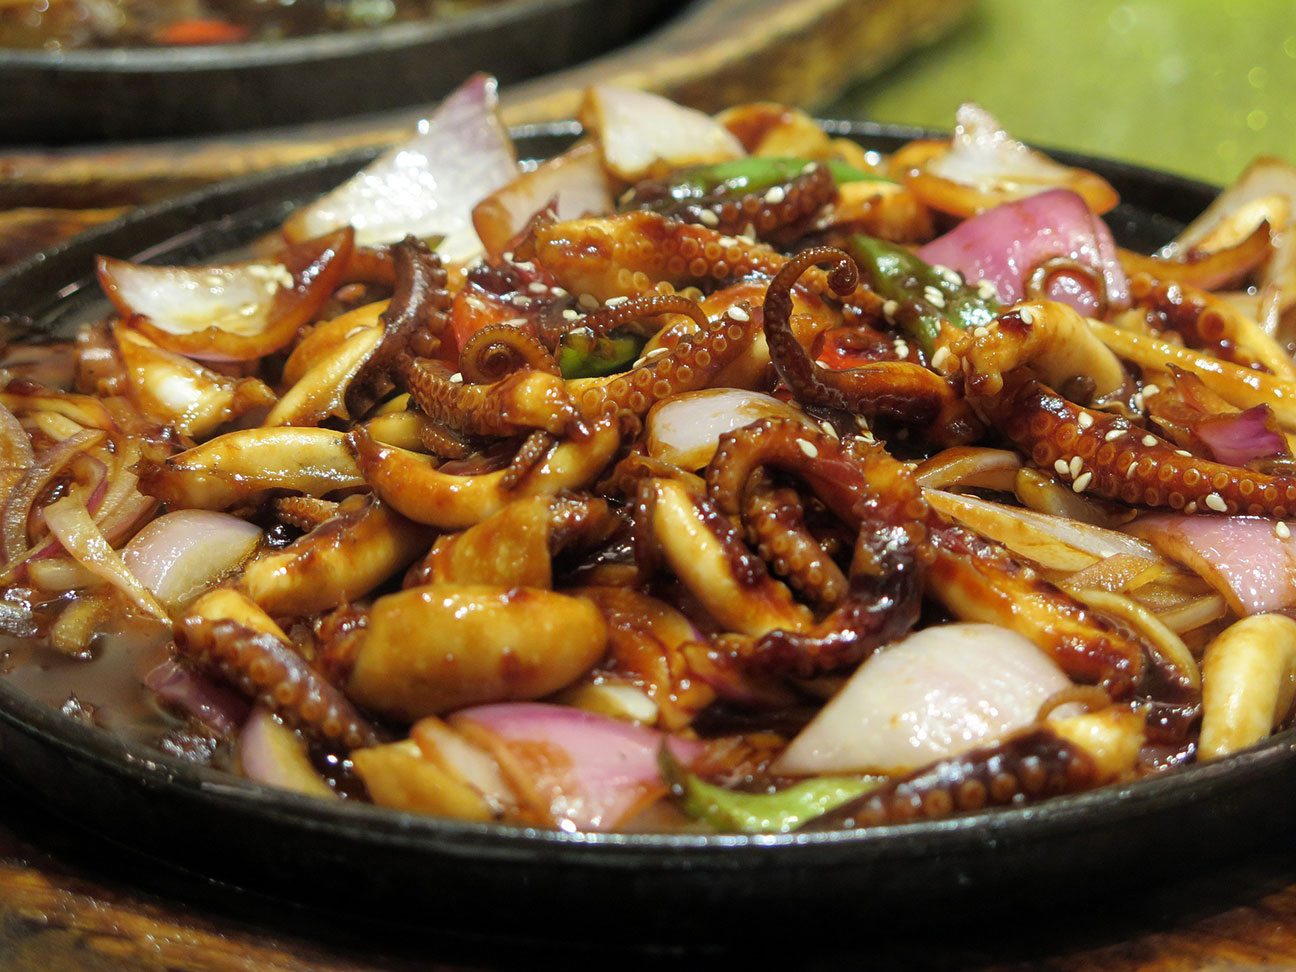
70	903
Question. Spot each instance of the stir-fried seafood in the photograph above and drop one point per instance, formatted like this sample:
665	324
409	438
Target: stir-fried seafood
715	472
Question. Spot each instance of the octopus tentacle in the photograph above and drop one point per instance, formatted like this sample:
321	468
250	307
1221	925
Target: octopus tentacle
525	400
1110	457
533	449
268	670
692	364
891	548
900	390
1063	756
775	523
630	312
769	213
498	349
418	312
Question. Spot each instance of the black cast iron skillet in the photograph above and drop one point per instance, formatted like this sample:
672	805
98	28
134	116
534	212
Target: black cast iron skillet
434	875
91	95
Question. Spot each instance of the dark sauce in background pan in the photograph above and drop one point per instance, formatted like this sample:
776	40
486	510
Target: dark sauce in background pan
56	25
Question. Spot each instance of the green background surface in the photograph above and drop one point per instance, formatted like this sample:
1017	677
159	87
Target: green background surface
1194	86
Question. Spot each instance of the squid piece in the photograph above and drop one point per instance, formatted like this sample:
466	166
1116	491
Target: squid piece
433	649
524	400
182	393
344	558
515	547
320	393
239	465
412	485
1249	680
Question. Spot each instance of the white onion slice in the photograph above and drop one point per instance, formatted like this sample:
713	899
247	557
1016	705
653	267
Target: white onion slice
237	298
985	156
181	554
427	186
639	132
937	693
684	430
271	753
573	182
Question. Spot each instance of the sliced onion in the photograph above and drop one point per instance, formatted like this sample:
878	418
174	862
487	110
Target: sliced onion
1240	556
428	186
210	703
1005	246
1238	438
1053	541
583	771
937	693
685	430
456	755
234	312
573	183
181	554
70	523
1265	192
17	510
985	166
640	133
271	753
970	466
16	455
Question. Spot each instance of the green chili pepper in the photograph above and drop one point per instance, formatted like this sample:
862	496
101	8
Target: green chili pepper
757	173
582	354
760	813
925	296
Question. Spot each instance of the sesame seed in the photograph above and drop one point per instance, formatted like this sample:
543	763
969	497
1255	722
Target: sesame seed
515	322
1216	502
1113	435
940	357
525	266
775	195
934	296
861	421
950	275
707	218
889	308
828	429
901	349
748	234
1129	473
617	301
809	167
475	303
1150	389
981	332
456	378
808	448
1083	481
1191	507
588	301
1149	440
1281	531
570	315
507	256
1062	468
1027	315
1076	465
1138	401
557	291
537	287
656	353
583	331
738	314
1183	452
986	290
1085	420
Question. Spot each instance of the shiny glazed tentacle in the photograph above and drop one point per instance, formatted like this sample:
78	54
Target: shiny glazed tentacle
1108	456
412	323
498	349
775	523
899	390
268	670
518	402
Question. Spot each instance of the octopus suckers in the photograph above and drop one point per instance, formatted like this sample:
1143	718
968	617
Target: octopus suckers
808	447
1082	481
1216	502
